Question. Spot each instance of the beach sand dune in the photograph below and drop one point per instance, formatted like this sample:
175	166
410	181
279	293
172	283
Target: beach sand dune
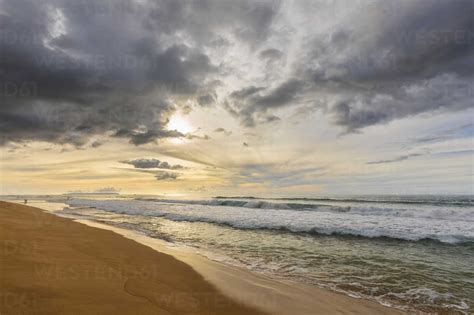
52	265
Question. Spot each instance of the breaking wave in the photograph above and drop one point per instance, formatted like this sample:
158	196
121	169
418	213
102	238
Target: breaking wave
451	225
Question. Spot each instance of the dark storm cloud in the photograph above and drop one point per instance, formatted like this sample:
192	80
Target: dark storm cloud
74	69
152	163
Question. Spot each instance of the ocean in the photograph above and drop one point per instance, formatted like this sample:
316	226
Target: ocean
410	252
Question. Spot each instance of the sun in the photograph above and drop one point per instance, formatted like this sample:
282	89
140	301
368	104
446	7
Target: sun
179	123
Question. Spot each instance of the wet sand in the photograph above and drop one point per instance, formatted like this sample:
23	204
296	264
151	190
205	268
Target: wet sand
55	265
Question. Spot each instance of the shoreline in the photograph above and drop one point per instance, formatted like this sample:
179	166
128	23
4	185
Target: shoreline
241	287
276	296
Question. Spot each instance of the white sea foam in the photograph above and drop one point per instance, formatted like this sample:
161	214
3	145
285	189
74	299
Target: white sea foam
448	225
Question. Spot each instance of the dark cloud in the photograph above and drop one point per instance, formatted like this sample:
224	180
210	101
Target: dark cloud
143	163
246	92
206	100
412	42
78	69
252	107
72	71
166	176
348	115
97	143
142	135
271	118
414	62
271	54
379	62
281	95
152	163
442	93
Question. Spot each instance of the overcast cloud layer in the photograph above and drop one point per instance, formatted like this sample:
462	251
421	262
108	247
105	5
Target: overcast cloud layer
71	70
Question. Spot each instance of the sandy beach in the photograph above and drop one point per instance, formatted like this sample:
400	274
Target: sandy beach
54	265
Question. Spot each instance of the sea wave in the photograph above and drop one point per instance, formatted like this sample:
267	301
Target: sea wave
383	209
452	200
451	227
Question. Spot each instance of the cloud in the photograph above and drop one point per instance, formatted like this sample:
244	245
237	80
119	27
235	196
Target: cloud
95	68
442	93
152	163
166	176
76	71
252	107
191	136
97	143
205	100
245	92
143	135
271	54
281	95
458	132
397	159
375	63
413	63
223	130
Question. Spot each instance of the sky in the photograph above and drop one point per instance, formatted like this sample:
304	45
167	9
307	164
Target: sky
234	97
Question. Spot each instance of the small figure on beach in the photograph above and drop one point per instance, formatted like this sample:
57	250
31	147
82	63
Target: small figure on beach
26	201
